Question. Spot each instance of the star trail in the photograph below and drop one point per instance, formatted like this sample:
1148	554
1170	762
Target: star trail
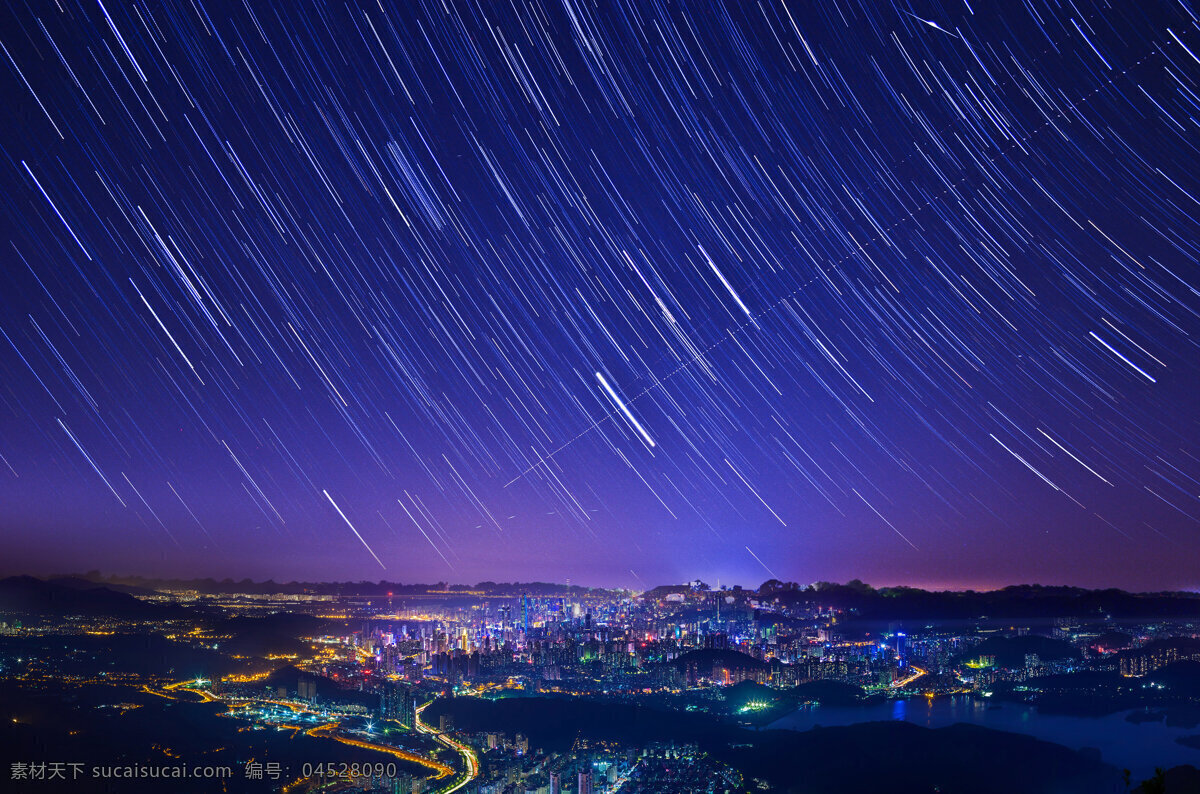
615	291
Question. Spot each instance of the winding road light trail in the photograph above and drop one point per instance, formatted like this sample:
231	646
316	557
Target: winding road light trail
470	759
903	682
328	731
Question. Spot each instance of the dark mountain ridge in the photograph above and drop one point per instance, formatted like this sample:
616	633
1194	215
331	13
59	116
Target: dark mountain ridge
27	595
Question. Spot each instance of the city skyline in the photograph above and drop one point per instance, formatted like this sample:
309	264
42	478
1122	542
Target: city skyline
503	689
626	295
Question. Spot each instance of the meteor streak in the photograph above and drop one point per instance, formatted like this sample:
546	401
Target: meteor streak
352	529
629	417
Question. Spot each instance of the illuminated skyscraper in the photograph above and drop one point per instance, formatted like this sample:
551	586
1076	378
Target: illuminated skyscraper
397	703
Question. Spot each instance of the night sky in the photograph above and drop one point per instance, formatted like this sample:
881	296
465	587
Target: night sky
626	294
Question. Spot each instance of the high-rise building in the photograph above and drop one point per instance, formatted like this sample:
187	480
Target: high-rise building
585	782
555	783
397	703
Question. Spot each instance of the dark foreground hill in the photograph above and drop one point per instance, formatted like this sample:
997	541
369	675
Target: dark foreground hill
1011	651
705	659
1027	602
894	756
29	596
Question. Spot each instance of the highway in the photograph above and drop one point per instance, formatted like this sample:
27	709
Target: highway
180	686
329	731
470	759
903	682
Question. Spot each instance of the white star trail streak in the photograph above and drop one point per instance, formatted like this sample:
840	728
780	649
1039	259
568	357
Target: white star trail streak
91	462
629	417
760	562
355	531
884	519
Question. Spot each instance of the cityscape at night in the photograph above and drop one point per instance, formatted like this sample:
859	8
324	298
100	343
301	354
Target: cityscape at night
597	396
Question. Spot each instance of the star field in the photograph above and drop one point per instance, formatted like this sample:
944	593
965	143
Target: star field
623	292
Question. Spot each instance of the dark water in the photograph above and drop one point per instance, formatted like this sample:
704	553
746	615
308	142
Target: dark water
1125	745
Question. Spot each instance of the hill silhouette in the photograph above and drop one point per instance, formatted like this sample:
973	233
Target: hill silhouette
705	659
32	596
897	756
1011	651
1017	601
